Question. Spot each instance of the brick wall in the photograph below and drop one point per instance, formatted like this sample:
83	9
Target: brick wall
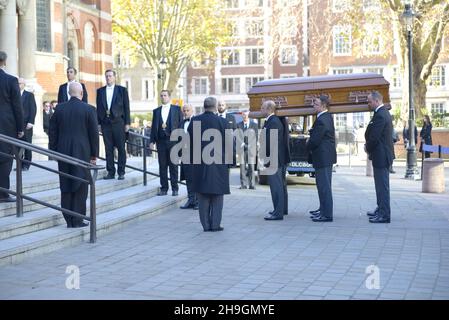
439	137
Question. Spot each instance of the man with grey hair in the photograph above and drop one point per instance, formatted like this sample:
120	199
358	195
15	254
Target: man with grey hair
11	123
212	178
74	132
379	147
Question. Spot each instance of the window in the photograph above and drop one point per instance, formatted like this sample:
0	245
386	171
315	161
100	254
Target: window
289	55
373	70
71	54
437	108
233	28
371	5
342	40
230	57
254	28
200	85
43	26
250	81
147	89
231	4
340	5
358	118
342	71
253	3
340	120
127	84
396	78
89	39
372	42
287	75
230	85
438	76
254	56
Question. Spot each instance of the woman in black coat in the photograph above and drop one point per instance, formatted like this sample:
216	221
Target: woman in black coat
426	135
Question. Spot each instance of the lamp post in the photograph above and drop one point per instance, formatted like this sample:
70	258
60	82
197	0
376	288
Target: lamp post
411	171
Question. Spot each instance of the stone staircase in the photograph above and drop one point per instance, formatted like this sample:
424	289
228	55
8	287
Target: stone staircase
43	230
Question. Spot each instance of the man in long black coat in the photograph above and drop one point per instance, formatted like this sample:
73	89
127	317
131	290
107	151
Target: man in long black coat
275	163
11	123
211	176
74	132
114	119
379	146
166	118
29	114
63	92
321	145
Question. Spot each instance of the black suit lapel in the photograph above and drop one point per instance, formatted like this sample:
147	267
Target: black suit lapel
114	95
104	98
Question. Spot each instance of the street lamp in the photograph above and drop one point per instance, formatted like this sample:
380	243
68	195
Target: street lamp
408	17
163	67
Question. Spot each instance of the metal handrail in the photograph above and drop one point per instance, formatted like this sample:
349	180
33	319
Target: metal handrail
19	147
144	158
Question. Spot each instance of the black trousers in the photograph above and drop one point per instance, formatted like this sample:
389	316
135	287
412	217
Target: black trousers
210	210
188	174
323	177
75	201
5	171
28	137
114	137
382	185
163	156
277	189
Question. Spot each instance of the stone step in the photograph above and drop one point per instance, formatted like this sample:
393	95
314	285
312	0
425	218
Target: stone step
16	249
46	218
53	196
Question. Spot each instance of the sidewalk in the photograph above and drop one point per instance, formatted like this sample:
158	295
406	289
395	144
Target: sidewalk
169	257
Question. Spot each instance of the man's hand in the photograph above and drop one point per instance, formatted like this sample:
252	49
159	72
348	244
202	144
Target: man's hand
126	127
29	126
93	161
20	134
99	128
151	146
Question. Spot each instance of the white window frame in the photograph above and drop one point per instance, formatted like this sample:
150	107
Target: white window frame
251	56
247	26
287	75
259	77
441	76
373	33
194	92
441	104
234	86
341	118
252	3
150	89
233	52
396	80
373	70
231	8
336	71
294	53
372	6
337	31
340	5
123	83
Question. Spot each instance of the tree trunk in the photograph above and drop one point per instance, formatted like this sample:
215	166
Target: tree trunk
419	97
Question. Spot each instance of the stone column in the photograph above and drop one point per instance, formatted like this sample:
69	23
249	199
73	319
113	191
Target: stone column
8	36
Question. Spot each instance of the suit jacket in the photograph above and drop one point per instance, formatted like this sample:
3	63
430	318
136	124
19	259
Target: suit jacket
275	123
46	121
74	132
29	108
119	106
62	93
240	137
321	143
379	140
11	113
173	121
185	148
210	178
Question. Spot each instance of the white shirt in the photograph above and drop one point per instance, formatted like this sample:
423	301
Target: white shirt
379	107
186	125
68	84
164	112
319	114
109	94
21	92
269	117
223	115
246	124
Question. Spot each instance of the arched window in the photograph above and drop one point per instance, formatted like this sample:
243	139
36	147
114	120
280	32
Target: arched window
43	26
89	39
71	54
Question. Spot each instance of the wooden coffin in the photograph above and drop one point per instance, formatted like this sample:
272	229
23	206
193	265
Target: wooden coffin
348	93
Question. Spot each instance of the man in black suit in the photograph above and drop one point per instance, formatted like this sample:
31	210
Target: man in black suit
321	145
379	146
74	132
187	168
29	113
211	175
246	140
63	92
11	123
113	119
274	155
232	124
166	118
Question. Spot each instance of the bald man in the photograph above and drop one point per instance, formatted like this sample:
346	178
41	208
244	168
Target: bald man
29	114
74	132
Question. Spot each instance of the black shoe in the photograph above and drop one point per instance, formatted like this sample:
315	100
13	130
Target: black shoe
9	199
392	171
372	213
242	187
316	214
196	207
273	217
315	211
252	187
109	177
285	213
81	225
188	205
322	219
162	193
174	193
25	168
379	220
121	177
217	229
